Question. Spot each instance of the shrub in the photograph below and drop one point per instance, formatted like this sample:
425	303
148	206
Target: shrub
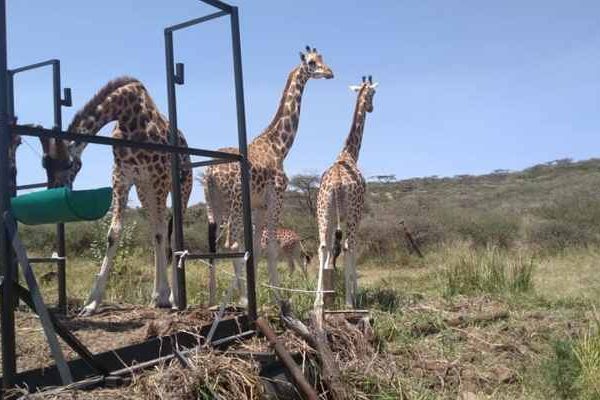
487	229
587	351
562	370
555	235
486	271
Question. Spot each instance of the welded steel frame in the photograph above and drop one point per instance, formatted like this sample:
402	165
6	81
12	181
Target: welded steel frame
58	103
175	76
10	290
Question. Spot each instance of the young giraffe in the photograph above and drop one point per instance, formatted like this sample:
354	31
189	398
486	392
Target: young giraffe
342	196
268	180
291	247
126	101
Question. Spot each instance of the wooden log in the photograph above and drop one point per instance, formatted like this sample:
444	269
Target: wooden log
316	337
409	238
328	285
297	376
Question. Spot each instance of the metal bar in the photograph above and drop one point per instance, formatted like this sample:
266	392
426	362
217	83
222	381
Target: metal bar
10	225
301	383
195	21
7	312
245	167
33	186
197	256
40	260
230	339
60	228
109	141
218	4
10	94
33	66
197	164
178	265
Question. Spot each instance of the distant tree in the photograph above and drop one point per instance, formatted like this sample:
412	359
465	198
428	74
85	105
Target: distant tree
384	178
305	186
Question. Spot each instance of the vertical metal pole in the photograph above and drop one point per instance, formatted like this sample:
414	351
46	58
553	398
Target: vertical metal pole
180	298
245	167
9	365
60	228
10	93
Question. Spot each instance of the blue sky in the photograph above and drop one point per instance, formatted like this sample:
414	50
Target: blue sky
465	86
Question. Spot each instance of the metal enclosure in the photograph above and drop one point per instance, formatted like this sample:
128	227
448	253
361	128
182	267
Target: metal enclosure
11	291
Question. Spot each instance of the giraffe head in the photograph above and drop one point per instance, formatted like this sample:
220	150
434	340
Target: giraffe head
366	91
313	64
58	161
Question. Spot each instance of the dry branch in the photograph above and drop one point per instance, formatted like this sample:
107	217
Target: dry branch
316	337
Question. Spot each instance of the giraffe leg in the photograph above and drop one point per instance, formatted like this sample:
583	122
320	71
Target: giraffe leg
326	223
120	195
274	204
258	217
214	213
162	296
155	204
290	260
350	262
238	263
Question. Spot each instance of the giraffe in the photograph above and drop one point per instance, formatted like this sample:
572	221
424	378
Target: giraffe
126	101
266	154
290	245
342	195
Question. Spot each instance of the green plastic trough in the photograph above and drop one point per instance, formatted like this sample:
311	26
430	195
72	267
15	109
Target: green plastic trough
61	205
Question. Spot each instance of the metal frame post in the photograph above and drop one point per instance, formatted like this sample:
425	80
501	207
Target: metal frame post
180	293
61	264
9	365
7	129
244	165
57	103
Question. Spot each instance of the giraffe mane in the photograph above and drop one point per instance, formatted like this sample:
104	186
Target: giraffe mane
99	97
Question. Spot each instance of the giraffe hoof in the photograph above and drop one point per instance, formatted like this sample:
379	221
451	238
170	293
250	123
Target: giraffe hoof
243	302
87	311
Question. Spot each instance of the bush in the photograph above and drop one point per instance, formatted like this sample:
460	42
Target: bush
587	351
486	271
562	370
487	229
555	236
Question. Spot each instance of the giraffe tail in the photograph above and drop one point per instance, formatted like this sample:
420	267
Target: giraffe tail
337	245
337	242
169	242
212	237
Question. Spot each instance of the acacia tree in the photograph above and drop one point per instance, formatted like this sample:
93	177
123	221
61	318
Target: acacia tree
304	189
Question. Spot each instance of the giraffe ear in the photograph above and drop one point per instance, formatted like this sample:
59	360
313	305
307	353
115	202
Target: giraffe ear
354	88
302	57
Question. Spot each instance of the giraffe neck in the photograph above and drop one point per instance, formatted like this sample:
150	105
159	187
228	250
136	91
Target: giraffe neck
123	100
281	132
351	148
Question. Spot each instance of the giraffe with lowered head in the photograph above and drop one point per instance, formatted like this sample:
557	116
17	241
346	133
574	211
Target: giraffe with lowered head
266	153
127	102
342	196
